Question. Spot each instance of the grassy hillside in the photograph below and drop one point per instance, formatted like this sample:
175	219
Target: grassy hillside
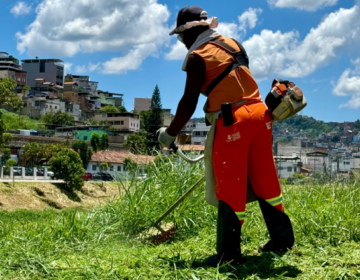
310	126
104	244
15	121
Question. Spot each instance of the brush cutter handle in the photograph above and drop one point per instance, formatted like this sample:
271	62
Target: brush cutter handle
183	156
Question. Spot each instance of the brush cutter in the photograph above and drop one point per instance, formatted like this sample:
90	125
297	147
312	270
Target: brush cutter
160	232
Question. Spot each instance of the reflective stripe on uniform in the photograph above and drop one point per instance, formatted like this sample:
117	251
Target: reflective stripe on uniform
240	215
275	201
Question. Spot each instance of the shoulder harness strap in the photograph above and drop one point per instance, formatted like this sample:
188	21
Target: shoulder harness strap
240	59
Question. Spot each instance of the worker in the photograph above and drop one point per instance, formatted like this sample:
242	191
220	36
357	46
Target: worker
239	151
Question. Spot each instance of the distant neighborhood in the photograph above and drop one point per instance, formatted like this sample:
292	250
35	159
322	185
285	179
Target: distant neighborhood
332	149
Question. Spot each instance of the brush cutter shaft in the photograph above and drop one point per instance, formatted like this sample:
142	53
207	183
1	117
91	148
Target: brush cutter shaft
183	156
190	160
181	199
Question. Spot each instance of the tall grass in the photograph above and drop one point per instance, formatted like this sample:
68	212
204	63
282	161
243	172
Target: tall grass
103	243
14	121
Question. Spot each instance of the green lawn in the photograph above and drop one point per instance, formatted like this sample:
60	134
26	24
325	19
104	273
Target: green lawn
103	244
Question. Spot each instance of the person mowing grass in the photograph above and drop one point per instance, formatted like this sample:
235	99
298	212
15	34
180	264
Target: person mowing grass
239	144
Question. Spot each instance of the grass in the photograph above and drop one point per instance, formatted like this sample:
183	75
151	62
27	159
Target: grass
103	244
14	121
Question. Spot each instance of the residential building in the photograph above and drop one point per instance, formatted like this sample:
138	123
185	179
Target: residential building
72	108
121	121
84	83
287	165
167	117
52	70
356	139
142	104
73	131
108	98
71	91
199	134
318	161
10	68
190	125
45	105
115	160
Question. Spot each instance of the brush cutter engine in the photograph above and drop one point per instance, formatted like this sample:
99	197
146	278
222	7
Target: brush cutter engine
284	100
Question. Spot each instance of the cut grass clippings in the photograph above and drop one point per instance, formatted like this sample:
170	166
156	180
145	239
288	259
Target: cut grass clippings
103	243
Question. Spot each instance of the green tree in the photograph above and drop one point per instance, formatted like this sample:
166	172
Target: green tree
104	142
7	95
5	156
25	88
91	122
136	143
109	109
336	138
145	120
357	124
95	142
156	119
130	166
35	154
122	109
84	151
67	165
104	166
58	118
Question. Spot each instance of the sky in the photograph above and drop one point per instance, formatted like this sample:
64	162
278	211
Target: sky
124	45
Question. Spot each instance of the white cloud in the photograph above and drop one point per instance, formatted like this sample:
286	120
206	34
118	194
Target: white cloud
90	67
178	51
275	53
91	25
308	5
230	30
349	85
21	8
67	67
249	18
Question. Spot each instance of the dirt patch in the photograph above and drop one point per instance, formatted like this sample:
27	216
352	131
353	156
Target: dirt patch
37	196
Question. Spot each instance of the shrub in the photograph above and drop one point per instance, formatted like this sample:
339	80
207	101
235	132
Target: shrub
67	165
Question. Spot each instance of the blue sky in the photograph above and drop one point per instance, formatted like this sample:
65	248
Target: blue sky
124	45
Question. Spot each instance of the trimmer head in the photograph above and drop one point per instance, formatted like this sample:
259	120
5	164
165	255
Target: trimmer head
159	234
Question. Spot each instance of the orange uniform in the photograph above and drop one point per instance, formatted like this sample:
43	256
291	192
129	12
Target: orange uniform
243	150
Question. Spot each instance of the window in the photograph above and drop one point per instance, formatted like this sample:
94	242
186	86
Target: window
94	167
119	168
289	169
124	169
85	137
117	123
55	107
42	66
50	106
122	122
111	167
197	133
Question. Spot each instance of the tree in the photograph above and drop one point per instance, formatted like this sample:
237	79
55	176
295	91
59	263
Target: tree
25	88
84	151
34	154
7	95
95	142
145	120
156	119
357	124
130	166
58	118
104	166
122	109
91	122
336	138
136	143
67	165
104	142
5	156
109	109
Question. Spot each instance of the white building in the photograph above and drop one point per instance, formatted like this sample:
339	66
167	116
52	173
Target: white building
121	121
199	134
115	160
287	166
46	105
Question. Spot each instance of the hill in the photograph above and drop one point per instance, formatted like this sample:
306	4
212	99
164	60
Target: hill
15	121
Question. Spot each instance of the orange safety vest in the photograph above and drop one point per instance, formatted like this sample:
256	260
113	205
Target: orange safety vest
238	85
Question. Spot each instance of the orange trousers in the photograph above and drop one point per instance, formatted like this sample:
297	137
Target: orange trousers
242	151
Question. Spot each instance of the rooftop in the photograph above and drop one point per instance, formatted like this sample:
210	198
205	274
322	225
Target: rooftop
119	157
189	148
37	60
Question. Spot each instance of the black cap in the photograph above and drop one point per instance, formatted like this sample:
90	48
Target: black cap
188	14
